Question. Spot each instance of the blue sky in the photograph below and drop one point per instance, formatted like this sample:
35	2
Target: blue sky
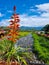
32	13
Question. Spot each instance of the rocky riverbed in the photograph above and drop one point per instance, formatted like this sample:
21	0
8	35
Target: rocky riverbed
27	42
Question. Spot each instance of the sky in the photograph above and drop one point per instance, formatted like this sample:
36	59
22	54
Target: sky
32	13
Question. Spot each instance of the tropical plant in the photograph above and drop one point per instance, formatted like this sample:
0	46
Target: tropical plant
14	27
8	52
17	54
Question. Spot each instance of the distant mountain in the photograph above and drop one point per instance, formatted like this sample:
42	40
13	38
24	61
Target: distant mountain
37	28
30	28
24	28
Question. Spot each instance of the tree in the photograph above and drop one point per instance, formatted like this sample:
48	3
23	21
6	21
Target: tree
46	28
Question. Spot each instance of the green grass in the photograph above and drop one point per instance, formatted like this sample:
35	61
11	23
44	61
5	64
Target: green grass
41	47
23	33
9	52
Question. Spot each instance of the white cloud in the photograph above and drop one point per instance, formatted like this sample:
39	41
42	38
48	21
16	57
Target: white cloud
32	10
4	22
9	11
46	15
43	7
33	21
1	15
25	20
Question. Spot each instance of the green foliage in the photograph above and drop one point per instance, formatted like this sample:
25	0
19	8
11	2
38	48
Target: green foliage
22	33
46	28
5	46
17	54
41	47
8	52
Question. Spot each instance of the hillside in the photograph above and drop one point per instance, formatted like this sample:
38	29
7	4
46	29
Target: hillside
30	28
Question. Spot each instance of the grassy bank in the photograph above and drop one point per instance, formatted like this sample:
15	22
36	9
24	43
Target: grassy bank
41	47
23	33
